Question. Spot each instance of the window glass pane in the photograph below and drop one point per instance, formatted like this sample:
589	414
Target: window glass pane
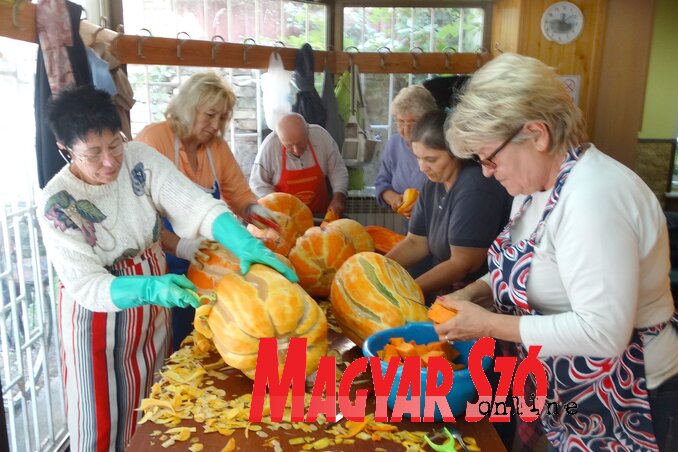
266	21
473	29
270	20
401	29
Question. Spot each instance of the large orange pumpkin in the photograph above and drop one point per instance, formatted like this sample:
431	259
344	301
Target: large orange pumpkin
294	219
206	272
278	242
291	206
384	239
371	293
262	303
362	241
317	256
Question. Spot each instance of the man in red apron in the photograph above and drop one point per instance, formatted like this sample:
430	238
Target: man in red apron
301	159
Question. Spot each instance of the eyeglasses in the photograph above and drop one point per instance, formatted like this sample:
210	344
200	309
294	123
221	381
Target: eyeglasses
405	122
95	157
488	162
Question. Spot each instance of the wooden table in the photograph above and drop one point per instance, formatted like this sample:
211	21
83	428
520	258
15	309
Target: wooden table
484	433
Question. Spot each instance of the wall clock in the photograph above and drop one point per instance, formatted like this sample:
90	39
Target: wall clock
562	22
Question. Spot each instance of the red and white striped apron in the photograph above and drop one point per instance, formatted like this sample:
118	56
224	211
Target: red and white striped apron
109	360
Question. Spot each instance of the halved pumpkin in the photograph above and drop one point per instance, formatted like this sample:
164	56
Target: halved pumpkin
371	293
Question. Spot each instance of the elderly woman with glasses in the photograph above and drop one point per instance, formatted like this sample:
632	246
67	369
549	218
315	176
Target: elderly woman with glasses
100	222
399	169
456	217
582	268
192	137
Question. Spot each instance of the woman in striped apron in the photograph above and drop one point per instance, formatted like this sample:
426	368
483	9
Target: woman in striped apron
100	222
580	270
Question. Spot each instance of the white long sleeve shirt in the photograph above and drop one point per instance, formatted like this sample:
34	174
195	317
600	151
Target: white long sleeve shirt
88	228
267	166
601	268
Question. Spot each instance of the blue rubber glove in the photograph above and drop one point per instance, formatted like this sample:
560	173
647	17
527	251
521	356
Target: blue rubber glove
167	291
229	232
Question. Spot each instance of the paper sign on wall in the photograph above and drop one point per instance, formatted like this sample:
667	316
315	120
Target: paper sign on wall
572	84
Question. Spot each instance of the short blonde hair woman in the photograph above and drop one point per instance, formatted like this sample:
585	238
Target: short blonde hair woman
581	270
399	169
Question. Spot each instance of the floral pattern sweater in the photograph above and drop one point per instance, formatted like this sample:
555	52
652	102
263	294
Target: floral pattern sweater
87	228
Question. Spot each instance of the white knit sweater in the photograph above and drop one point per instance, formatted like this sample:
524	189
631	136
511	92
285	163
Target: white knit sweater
88	228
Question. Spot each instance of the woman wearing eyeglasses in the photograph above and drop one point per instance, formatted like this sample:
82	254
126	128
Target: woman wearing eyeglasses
456	217
100	222
399	169
582	268
192	137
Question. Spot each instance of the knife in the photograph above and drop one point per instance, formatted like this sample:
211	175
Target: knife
265	221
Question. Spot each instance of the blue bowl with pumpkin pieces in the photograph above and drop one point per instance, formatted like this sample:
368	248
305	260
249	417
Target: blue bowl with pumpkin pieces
463	389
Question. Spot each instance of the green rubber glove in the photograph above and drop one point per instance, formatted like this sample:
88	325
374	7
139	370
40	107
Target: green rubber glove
167	291
229	232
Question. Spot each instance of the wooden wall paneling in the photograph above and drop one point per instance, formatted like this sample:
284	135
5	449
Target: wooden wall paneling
506	25
623	78
580	57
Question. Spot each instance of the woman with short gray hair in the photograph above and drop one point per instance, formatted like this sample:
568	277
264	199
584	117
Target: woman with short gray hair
399	169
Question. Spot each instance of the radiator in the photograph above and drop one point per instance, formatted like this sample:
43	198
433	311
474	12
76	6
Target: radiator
365	210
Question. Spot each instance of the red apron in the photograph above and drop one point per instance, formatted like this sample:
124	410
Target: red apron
307	184
109	360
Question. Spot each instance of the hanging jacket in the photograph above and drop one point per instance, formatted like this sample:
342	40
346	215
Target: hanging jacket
308	103
49	160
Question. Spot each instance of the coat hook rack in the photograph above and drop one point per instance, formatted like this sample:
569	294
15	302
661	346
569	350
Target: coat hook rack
448	51
215	46
15	14
180	53
350	54
103	23
277	46
140	44
415	51
382	51
330	50
479	56
248	44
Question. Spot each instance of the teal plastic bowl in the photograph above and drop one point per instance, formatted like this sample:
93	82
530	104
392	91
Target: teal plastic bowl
463	389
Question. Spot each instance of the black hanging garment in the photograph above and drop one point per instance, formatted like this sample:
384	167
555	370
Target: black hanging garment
49	160
308	103
446	89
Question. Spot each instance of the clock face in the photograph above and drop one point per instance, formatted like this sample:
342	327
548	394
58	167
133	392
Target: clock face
562	22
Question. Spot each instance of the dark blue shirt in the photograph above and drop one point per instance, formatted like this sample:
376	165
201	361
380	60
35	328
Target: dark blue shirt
471	214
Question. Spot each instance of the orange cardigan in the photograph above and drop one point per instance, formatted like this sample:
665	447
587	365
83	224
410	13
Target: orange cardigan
234	188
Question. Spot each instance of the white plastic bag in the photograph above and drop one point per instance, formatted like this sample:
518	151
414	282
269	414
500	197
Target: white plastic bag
276	90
